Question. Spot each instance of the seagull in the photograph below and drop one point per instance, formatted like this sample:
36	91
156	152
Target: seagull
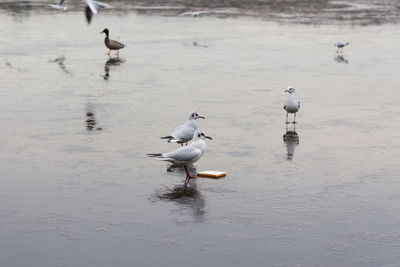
292	104
193	13
92	7
112	44
187	155
340	45
184	133
59	6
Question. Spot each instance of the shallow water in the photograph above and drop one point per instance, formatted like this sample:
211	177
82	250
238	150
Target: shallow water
76	188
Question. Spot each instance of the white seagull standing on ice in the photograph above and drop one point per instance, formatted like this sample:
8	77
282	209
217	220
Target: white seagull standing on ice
340	45
292	104
186	155
184	133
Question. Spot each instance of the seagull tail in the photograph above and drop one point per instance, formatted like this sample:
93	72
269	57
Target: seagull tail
166	137
173	141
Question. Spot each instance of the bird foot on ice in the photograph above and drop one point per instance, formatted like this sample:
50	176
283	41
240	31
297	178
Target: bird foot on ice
191	176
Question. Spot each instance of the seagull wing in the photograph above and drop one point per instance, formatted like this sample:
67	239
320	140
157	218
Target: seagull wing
184	154
102	4
184	132
93	6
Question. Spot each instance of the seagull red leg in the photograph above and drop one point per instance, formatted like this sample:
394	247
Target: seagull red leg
188	175
287	114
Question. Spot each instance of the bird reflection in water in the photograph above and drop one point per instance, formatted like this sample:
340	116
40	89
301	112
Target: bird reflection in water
60	61
291	140
110	63
199	45
91	121
339	58
189	197
19	10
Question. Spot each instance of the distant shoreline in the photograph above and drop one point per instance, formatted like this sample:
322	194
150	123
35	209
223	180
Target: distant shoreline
315	12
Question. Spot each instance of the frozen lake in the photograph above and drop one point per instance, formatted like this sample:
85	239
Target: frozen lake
76	187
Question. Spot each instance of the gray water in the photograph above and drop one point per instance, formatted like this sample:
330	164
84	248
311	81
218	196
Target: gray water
76	188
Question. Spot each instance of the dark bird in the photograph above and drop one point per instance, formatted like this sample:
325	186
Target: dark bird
112	44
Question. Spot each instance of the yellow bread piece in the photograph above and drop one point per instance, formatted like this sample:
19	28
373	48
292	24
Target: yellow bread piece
211	174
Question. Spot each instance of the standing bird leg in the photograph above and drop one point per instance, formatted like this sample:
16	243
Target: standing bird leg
118	53
109	51
188	175
287	114
294	120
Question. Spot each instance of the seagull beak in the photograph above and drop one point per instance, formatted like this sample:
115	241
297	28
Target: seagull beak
201	117
208	137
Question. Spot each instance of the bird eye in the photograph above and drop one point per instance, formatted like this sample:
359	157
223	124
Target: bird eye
202	133
198	135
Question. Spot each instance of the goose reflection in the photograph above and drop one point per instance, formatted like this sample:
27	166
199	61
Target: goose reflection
291	140
189	197
339	58
91	121
60	61
110	63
